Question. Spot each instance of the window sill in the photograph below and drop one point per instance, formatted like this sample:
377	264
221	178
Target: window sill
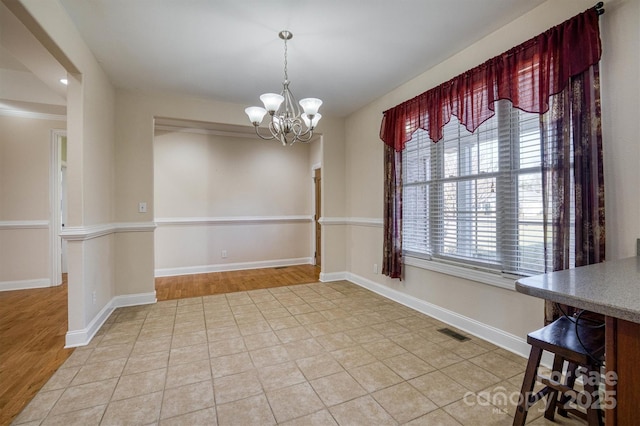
508	283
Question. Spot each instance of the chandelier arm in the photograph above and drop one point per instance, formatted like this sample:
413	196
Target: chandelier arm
287	124
266	138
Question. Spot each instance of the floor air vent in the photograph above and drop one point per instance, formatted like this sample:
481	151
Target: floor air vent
453	334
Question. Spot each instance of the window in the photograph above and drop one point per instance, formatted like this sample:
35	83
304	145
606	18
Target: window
476	198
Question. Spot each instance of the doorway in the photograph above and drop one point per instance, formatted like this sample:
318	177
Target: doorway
317	185
58	210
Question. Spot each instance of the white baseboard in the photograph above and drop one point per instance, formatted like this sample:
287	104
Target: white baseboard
24	284
83	337
224	267
332	276
486	332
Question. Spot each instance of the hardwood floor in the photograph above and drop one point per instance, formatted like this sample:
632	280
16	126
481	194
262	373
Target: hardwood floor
33	324
184	286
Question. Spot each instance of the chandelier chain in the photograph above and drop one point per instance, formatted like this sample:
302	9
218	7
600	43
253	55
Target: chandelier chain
286	75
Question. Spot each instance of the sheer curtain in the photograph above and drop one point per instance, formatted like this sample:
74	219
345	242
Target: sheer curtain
554	74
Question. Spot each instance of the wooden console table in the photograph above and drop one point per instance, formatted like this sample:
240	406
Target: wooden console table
613	289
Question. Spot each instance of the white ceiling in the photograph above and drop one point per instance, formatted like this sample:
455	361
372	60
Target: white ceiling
346	52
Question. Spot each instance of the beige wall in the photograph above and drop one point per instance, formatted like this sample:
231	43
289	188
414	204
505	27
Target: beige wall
25	145
243	195
90	168
498	308
135	113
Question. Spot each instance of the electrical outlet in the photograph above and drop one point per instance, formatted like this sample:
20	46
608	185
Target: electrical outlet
142	207
93	295
375	268
224	254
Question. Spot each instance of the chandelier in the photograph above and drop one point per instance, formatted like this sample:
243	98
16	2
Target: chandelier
286	123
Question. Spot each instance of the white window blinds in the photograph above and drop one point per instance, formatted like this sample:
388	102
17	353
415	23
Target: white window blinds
476	198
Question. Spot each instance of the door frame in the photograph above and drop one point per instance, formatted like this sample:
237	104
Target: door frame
55	194
314	246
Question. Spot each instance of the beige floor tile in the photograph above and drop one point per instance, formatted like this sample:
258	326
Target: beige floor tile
411	341
252	323
39	406
269	356
389	329
146	362
190	301
437	356
362	411
283	322
302	308
227	347
439	388
364	335
188	327
253	327
404	402
435	418
335	341
354	356
60	379
159	344
109	353
231	364
189	339
223	333
303	348
408	366
186	399
250	411
187	354
276	313
319	366
183	374
114	338
498	365
293	334
310	318
337	388
84	396
86	417
294	401
375	376
470	414
383	349
237	386
143	409
467	349
319	418
78	358
99	371
140	384
202	417
471	376
280	376
261	340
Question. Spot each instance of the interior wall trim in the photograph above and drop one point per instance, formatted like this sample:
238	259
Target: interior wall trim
24	224
353	221
25	284
224	267
32	115
231	220
82	233
83	337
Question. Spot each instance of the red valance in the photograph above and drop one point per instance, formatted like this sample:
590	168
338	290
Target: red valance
527	75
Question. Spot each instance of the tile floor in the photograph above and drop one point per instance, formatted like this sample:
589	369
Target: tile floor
314	354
